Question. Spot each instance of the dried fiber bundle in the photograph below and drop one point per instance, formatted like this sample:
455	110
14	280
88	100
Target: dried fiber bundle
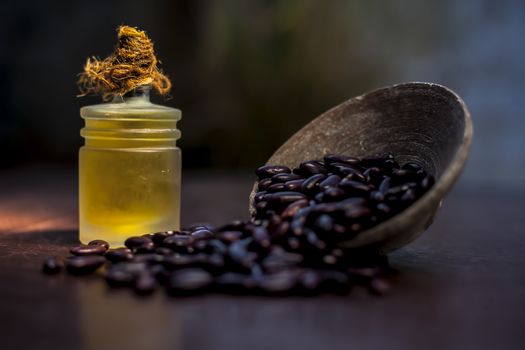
131	65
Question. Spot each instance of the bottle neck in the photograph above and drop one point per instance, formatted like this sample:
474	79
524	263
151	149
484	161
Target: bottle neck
139	95
130	121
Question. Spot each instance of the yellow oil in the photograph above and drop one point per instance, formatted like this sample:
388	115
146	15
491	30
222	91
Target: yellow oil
128	192
129	171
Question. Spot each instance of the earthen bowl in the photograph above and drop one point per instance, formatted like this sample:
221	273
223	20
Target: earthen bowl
418	122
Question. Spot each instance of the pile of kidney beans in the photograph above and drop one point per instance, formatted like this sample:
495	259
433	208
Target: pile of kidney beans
289	247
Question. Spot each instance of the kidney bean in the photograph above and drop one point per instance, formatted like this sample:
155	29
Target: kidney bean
99	242
80	265
52	266
330	181
311	184
118	254
271	170
283	177
88	250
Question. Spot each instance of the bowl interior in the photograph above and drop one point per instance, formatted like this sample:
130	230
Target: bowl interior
417	122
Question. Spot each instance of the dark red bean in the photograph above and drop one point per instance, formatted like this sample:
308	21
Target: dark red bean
189	280
398	190
412	166
236	225
427	182
261	196
159	237
281	229
229	236
271	170
276	187
409	196
177	242
232	282
119	277
99	242
310	281
145	284
351	202
383	208
149	258
201	234
80	265
279	282
293	208
401	176
384	185
314	240
319	198
118	255
264	184
377	196
52	266
357	213
329	260
135	268
261	207
286	197
178	261
136	241
324	223
261	236
283	177
145	248
333	194
293	243
330	181
373	175
294	185
327	208
345	169
88	250
163	251
215	263
311	167
218	247
160	273
354	188
311	184
299	220
356	176
390	164
238	253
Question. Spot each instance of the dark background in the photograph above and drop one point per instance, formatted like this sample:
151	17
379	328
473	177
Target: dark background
247	74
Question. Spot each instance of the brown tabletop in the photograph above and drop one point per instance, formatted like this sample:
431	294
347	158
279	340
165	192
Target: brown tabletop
460	286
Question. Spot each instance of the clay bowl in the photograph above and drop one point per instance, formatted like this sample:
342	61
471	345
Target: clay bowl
419	122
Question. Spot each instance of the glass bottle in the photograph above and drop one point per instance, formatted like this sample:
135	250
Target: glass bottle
129	169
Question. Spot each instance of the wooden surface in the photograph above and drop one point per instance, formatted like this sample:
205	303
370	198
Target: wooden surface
460	286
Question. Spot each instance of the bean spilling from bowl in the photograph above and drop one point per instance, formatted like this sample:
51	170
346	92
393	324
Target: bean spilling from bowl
289	247
338	197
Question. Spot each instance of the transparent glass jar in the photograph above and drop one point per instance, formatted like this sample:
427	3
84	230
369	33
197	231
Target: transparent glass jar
129	169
